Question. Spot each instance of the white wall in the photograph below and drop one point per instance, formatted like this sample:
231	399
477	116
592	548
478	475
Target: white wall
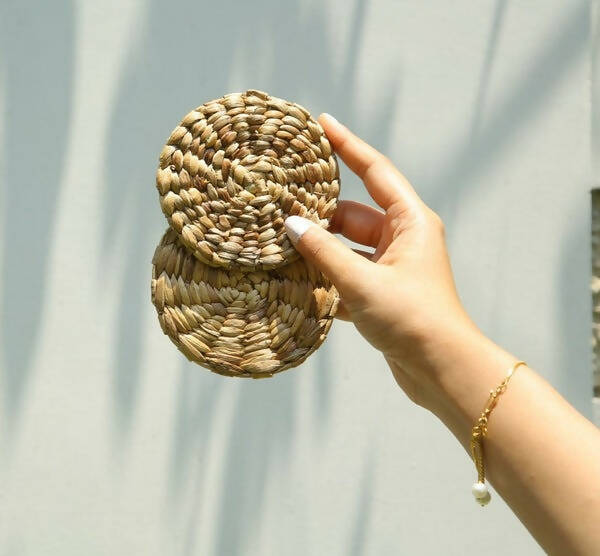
111	443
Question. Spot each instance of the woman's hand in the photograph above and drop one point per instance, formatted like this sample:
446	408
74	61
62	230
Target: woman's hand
541	455
402	298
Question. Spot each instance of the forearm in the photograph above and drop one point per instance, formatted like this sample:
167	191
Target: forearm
541	455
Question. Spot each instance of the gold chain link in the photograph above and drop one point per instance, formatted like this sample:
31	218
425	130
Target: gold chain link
479	431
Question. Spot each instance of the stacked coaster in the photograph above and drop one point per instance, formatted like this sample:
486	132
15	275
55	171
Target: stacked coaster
230	290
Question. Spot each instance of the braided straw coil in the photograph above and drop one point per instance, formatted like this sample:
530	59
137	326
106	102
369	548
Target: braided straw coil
230	289
235	168
247	324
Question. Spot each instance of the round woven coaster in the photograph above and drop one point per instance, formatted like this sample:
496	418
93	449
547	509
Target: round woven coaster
235	168
247	324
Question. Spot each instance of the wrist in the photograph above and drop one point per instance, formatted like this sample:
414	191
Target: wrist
454	367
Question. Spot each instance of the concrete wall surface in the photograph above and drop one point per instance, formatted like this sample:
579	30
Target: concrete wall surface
110	441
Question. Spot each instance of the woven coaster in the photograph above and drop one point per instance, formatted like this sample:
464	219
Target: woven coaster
248	324
235	168
230	289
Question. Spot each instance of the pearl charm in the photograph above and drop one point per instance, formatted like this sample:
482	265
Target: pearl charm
481	493
479	489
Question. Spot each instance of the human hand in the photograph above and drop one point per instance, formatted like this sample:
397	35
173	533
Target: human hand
402	298
542	454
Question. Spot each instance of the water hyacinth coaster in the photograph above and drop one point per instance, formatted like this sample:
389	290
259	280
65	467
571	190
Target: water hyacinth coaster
230	290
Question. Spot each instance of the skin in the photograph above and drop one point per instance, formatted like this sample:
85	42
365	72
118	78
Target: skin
541	455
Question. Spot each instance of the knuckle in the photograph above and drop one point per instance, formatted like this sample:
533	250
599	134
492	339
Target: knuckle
317	251
437	223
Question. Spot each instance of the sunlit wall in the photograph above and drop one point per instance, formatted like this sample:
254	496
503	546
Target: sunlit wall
110	442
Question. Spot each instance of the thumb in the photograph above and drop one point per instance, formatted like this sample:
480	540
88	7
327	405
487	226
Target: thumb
338	262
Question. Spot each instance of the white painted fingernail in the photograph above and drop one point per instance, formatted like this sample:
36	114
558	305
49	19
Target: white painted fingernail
330	118
295	226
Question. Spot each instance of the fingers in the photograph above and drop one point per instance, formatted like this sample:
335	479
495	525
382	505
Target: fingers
342	312
338	262
385	184
357	222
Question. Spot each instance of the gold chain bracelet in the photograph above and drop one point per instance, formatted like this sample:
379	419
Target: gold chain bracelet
479	432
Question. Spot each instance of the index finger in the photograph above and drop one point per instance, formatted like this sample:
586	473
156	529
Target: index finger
386	185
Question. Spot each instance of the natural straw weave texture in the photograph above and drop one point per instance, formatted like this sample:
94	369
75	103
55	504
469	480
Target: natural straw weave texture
235	168
228	286
251	324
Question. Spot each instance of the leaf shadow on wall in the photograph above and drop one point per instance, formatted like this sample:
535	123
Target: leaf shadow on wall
360	525
171	68
37	63
484	143
162	79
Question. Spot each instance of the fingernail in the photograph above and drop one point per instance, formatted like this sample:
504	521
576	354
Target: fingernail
331	120
295	226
